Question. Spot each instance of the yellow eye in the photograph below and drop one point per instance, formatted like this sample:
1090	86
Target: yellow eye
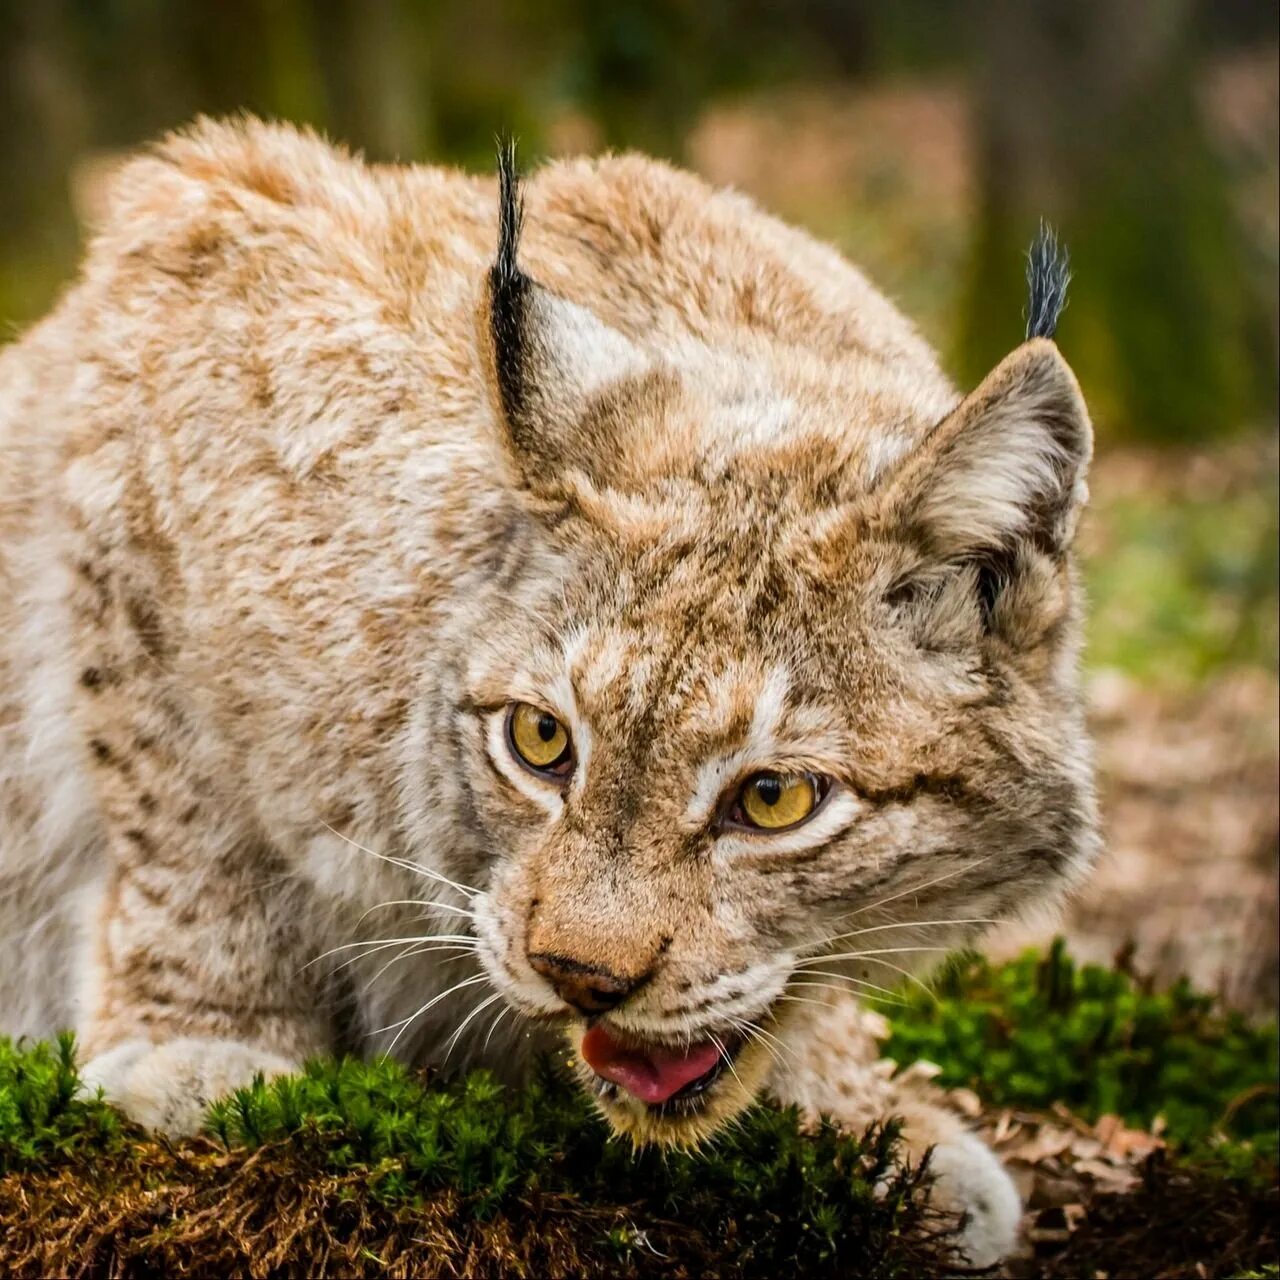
775	800
538	738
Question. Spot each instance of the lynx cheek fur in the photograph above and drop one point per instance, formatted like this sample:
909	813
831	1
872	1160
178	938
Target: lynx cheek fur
321	530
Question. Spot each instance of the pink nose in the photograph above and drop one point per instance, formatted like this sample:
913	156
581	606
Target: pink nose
583	986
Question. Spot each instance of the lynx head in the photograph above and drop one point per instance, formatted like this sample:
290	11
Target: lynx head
782	706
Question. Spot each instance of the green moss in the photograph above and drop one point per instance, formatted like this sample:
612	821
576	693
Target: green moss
785	1196
1041	1029
43	1114
765	1195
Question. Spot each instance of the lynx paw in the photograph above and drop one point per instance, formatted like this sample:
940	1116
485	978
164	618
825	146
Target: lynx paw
168	1086
969	1179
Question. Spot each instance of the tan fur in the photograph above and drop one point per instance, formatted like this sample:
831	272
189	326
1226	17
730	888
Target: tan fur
273	561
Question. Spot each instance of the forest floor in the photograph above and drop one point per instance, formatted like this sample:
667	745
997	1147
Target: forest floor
1108	1202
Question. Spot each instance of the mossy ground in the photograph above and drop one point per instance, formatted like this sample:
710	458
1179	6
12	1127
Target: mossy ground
356	1168
1041	1029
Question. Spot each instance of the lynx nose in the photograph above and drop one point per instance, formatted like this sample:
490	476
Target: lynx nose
583	986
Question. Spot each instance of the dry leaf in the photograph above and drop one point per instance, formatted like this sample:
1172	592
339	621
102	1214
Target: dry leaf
966	1102
1002	1127
921	1070
1050	1141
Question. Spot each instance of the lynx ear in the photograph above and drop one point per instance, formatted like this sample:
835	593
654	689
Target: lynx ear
550	357
1007	467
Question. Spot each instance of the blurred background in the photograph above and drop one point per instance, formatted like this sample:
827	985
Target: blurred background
925	138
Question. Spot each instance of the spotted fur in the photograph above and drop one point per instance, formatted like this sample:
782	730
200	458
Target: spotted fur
299	491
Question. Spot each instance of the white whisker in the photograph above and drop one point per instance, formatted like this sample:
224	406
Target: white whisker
377	944
480	1008
841	977
905	924
918	888
493	1026
404	954
415	951
817	1004
768	1035
906	973
356	959
858	955
748	1032
417	902
403	1024
405	864
728	1061
874	957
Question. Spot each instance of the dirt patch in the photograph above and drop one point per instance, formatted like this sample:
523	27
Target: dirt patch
200	1210
1192	814
1187	885
1107	1201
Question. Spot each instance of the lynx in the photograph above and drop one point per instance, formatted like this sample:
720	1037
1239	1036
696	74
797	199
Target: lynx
441	616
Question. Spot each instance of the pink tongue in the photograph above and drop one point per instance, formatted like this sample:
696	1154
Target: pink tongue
651	1074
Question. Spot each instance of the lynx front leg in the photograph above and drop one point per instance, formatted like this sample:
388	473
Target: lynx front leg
194	980
832	1072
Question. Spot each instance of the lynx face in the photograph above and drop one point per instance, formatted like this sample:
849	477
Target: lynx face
775	719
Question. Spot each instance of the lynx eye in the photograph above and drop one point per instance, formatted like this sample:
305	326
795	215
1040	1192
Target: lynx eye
538	740
773	801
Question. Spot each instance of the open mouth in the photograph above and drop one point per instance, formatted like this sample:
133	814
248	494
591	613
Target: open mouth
668	1079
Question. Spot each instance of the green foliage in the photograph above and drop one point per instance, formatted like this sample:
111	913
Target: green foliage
765	1195
1184	587
781	1196
1041	1029
40	1113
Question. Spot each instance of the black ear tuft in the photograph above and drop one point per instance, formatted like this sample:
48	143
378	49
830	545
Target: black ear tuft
508	285
1048	274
